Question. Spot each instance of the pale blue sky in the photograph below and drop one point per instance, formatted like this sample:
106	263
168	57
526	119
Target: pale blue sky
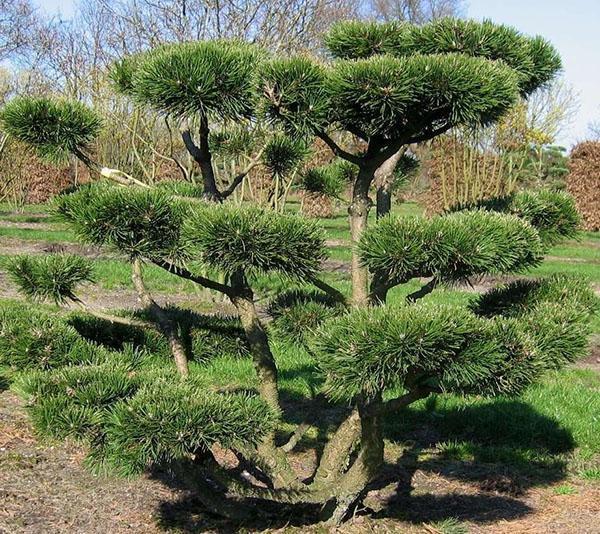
573	26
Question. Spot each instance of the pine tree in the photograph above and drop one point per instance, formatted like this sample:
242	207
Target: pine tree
393	85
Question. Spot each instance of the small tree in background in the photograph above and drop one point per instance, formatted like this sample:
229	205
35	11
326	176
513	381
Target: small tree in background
322	186
370	362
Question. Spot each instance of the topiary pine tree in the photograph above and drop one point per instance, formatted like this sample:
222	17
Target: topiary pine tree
372	361
394	84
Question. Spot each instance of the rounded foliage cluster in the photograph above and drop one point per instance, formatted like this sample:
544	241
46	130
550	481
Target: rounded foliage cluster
533	58
297	313
450	247
56	129
165	422
136	222
553	213
368	352
33	339
401	97
254	241
520	296
52	277
71	402
212	78
329	180
282	154
294	93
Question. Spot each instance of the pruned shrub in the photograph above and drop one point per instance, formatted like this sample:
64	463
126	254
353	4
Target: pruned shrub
39	340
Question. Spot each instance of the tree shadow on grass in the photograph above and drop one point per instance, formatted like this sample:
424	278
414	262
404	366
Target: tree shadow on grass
497	456
4	383
504	437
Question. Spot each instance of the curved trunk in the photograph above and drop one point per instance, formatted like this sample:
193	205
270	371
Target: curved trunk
203	157
259	347
165	324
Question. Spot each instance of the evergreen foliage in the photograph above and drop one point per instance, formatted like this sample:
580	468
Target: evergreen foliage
329	180
168	422
54	128
450	247
552	213
116	387
297	313
136	222
534	59
211	78
520	296
38	340
254	241
283	154
445	347
52	277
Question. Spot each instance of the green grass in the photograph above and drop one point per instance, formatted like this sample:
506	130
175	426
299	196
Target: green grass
584	250
42	234
552	426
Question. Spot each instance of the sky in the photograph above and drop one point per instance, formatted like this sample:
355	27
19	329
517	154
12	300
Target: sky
573	26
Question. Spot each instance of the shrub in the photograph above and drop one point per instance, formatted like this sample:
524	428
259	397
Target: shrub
521	296
37	340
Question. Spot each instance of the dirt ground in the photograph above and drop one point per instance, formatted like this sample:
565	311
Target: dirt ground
45	488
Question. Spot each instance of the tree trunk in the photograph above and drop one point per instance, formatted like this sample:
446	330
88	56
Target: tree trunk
358	214
165	325
336	453
367	464
384	182
384	200
202	156
259	347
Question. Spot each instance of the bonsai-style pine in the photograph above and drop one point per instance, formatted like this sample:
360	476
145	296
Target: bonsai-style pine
162	397
394	84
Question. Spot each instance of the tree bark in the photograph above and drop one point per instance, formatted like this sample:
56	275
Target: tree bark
203	157
337	451
366	465
358	213
165	324
259	347
384	182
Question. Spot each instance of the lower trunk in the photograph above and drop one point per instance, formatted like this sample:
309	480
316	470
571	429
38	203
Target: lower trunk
273	459
366	466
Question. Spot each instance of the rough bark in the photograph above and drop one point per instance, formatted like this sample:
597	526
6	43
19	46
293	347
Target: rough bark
358	213
367	463
337	451
259	348
165	324
203	157
384	181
